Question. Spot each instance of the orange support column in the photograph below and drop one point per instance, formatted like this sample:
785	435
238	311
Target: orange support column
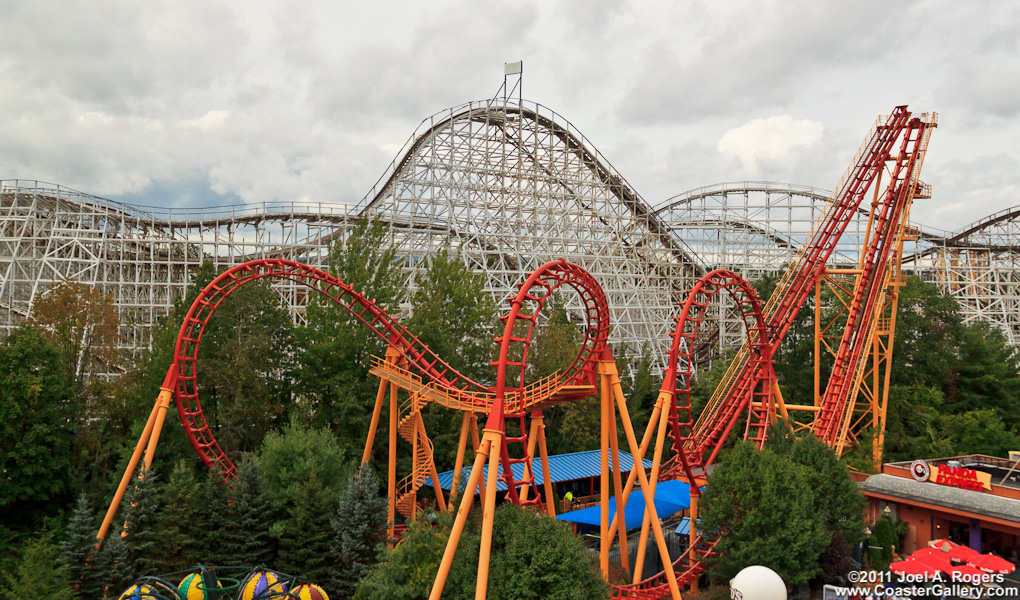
392	356
458	465
391	478
612	377
646	490
488	513
604	540
149	437
458	525
550	495
660	438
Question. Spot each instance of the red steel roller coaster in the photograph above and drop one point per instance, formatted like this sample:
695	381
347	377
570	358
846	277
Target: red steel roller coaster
749	388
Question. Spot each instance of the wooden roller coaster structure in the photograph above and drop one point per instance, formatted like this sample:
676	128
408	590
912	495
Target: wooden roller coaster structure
749	387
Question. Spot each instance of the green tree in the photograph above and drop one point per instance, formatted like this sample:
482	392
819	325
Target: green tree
880	548
287	460
248	538
762	505
532	556
305	536
455	318
112	569
408	570
35	428
141	504
573	426
358	526
216	520
82	321
974	432
986	373
79	544
335	348
642	389
706	381
179	524
245	367
928	328
454	315
838	504
39	575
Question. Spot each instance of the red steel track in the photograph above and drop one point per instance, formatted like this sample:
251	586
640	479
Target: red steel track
514	398
802	274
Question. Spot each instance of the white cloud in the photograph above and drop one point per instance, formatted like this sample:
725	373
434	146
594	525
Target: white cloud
264	100
779	139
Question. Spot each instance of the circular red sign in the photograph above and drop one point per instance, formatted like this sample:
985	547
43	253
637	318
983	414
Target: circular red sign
920	470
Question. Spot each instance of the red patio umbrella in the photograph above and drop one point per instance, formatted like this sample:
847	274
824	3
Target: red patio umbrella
932	555
963	553
965	571
990	563
916	566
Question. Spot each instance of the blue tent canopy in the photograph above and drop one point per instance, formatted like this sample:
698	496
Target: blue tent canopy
562	467
670	498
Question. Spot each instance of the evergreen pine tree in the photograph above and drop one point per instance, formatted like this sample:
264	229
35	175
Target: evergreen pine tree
178	525
358	527
247	539
142	504
79	544
112	571
215	520
38	575
305	538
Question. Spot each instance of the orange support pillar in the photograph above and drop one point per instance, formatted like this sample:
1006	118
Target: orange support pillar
550	495
488	513
148	440
458	465
392	356
465	507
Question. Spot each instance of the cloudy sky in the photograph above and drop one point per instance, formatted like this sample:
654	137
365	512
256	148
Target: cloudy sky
206	102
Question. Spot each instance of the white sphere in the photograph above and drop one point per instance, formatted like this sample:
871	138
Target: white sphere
757	583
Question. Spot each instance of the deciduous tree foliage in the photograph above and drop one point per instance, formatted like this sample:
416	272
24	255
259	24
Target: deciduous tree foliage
533	556
334	349
408	570
456	318
245	364
83	322
573	426
288	458
763	506
35	427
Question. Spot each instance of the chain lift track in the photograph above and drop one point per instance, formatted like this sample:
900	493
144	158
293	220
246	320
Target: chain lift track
805	270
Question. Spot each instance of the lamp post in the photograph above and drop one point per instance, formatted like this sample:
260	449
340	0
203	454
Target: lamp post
864	542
